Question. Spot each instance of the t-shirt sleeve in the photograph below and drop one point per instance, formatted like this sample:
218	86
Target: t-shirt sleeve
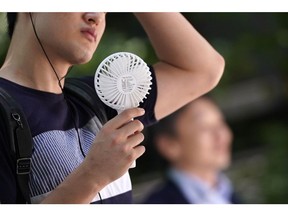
7	173
148	103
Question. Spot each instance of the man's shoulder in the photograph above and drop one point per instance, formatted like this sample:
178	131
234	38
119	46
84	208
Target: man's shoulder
166	193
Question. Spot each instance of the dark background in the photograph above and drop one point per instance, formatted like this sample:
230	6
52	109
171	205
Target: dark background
252	93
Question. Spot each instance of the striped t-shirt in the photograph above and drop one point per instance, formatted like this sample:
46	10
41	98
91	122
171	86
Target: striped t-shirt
57	151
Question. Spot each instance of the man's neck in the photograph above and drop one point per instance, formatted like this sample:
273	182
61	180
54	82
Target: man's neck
209	176
27	65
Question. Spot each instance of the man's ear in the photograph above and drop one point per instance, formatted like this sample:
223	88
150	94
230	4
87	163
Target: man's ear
168	147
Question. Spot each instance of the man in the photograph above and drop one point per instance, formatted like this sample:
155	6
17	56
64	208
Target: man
76	159
196	141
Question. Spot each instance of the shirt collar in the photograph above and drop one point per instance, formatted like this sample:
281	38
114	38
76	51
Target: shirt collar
197	191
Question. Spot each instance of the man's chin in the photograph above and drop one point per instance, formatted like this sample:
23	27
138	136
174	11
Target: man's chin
223	165
85	59
82	59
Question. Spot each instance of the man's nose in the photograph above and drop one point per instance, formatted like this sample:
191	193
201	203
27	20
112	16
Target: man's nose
94	18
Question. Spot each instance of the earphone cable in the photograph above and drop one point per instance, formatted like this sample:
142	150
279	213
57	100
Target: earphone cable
46	55
59	82
61	87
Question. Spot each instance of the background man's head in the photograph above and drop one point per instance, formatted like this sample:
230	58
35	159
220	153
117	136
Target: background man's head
195	137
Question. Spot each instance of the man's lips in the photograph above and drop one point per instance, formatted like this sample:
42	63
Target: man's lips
90	34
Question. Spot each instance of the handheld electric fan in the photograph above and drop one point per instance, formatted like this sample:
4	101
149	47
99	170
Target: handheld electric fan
122	81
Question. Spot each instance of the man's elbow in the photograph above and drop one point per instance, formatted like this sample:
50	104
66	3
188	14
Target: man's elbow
215	72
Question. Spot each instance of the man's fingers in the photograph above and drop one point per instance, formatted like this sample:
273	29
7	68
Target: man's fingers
123	118
131	128
134	140
137	152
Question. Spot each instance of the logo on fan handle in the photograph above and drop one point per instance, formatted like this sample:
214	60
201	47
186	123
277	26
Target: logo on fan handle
126	83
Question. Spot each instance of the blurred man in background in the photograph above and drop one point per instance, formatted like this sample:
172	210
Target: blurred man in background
196	142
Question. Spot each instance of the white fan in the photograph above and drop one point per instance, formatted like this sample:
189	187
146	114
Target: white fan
122	81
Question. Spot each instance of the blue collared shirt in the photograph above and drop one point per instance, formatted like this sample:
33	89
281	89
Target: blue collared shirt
198	192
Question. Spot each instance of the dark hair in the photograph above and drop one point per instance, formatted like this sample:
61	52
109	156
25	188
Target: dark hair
11	19
167	125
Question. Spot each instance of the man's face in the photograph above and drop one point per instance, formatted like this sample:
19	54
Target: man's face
71	37
203	136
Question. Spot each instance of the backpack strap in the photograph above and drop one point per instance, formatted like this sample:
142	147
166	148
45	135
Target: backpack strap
19	134
81	90
20	140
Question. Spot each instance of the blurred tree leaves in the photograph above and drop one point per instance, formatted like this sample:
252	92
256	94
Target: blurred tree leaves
3	37
254	45
274	182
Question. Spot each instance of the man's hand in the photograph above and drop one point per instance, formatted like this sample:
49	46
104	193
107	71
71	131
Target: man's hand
115	148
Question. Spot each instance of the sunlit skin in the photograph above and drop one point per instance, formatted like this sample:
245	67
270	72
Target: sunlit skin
203	142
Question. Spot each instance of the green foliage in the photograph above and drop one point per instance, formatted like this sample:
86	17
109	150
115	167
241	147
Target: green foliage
4	40
254	46
274	183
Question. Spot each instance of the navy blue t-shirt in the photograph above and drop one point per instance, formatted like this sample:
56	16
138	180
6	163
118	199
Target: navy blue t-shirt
56	150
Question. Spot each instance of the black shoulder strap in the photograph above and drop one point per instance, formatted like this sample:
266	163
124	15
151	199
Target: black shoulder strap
20	139
87	95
